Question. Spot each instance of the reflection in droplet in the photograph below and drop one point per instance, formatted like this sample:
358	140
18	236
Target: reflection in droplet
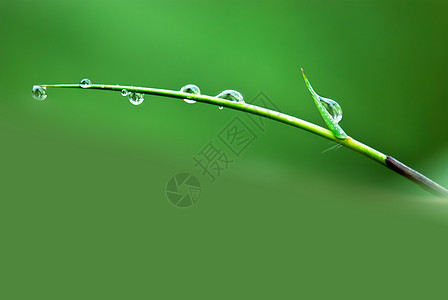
333	108
39	92
231	95
85	83
190	89
136	98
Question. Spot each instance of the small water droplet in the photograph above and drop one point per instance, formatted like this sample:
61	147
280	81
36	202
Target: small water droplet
39	92
136	98
221	107
190	89
231	95
124	92
85	83
333	108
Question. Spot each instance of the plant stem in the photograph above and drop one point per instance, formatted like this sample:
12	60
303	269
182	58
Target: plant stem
349	142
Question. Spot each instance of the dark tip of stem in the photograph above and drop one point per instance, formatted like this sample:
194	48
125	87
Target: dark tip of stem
415	176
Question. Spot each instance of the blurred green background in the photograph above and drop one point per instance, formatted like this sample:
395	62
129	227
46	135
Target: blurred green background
83	210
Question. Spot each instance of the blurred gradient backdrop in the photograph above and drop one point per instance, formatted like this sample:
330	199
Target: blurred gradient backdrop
83	209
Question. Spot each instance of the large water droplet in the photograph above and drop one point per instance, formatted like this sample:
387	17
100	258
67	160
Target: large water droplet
333	108
231	95
136	98
39	92
190	89
124	92
85	83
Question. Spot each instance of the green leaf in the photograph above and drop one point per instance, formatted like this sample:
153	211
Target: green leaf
324	105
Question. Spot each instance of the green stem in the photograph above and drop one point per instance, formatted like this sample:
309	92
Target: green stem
349	142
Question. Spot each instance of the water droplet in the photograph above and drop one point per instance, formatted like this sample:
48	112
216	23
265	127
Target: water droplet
136	98
39	92
190	89
333	108
124	92
221	107
231	95
85	83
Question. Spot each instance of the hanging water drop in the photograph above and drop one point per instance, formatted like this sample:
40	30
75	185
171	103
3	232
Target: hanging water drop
136	98
221	107
39	92
231	95
190	89
124	92
85	83
333	108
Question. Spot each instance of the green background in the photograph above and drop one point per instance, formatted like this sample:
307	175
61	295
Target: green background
83	211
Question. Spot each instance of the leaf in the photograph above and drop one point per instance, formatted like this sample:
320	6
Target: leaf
322	104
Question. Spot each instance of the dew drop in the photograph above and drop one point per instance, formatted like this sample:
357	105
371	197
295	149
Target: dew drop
85	83
221	107
231	95
124	92
190	89
333	108
136	98
39	92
